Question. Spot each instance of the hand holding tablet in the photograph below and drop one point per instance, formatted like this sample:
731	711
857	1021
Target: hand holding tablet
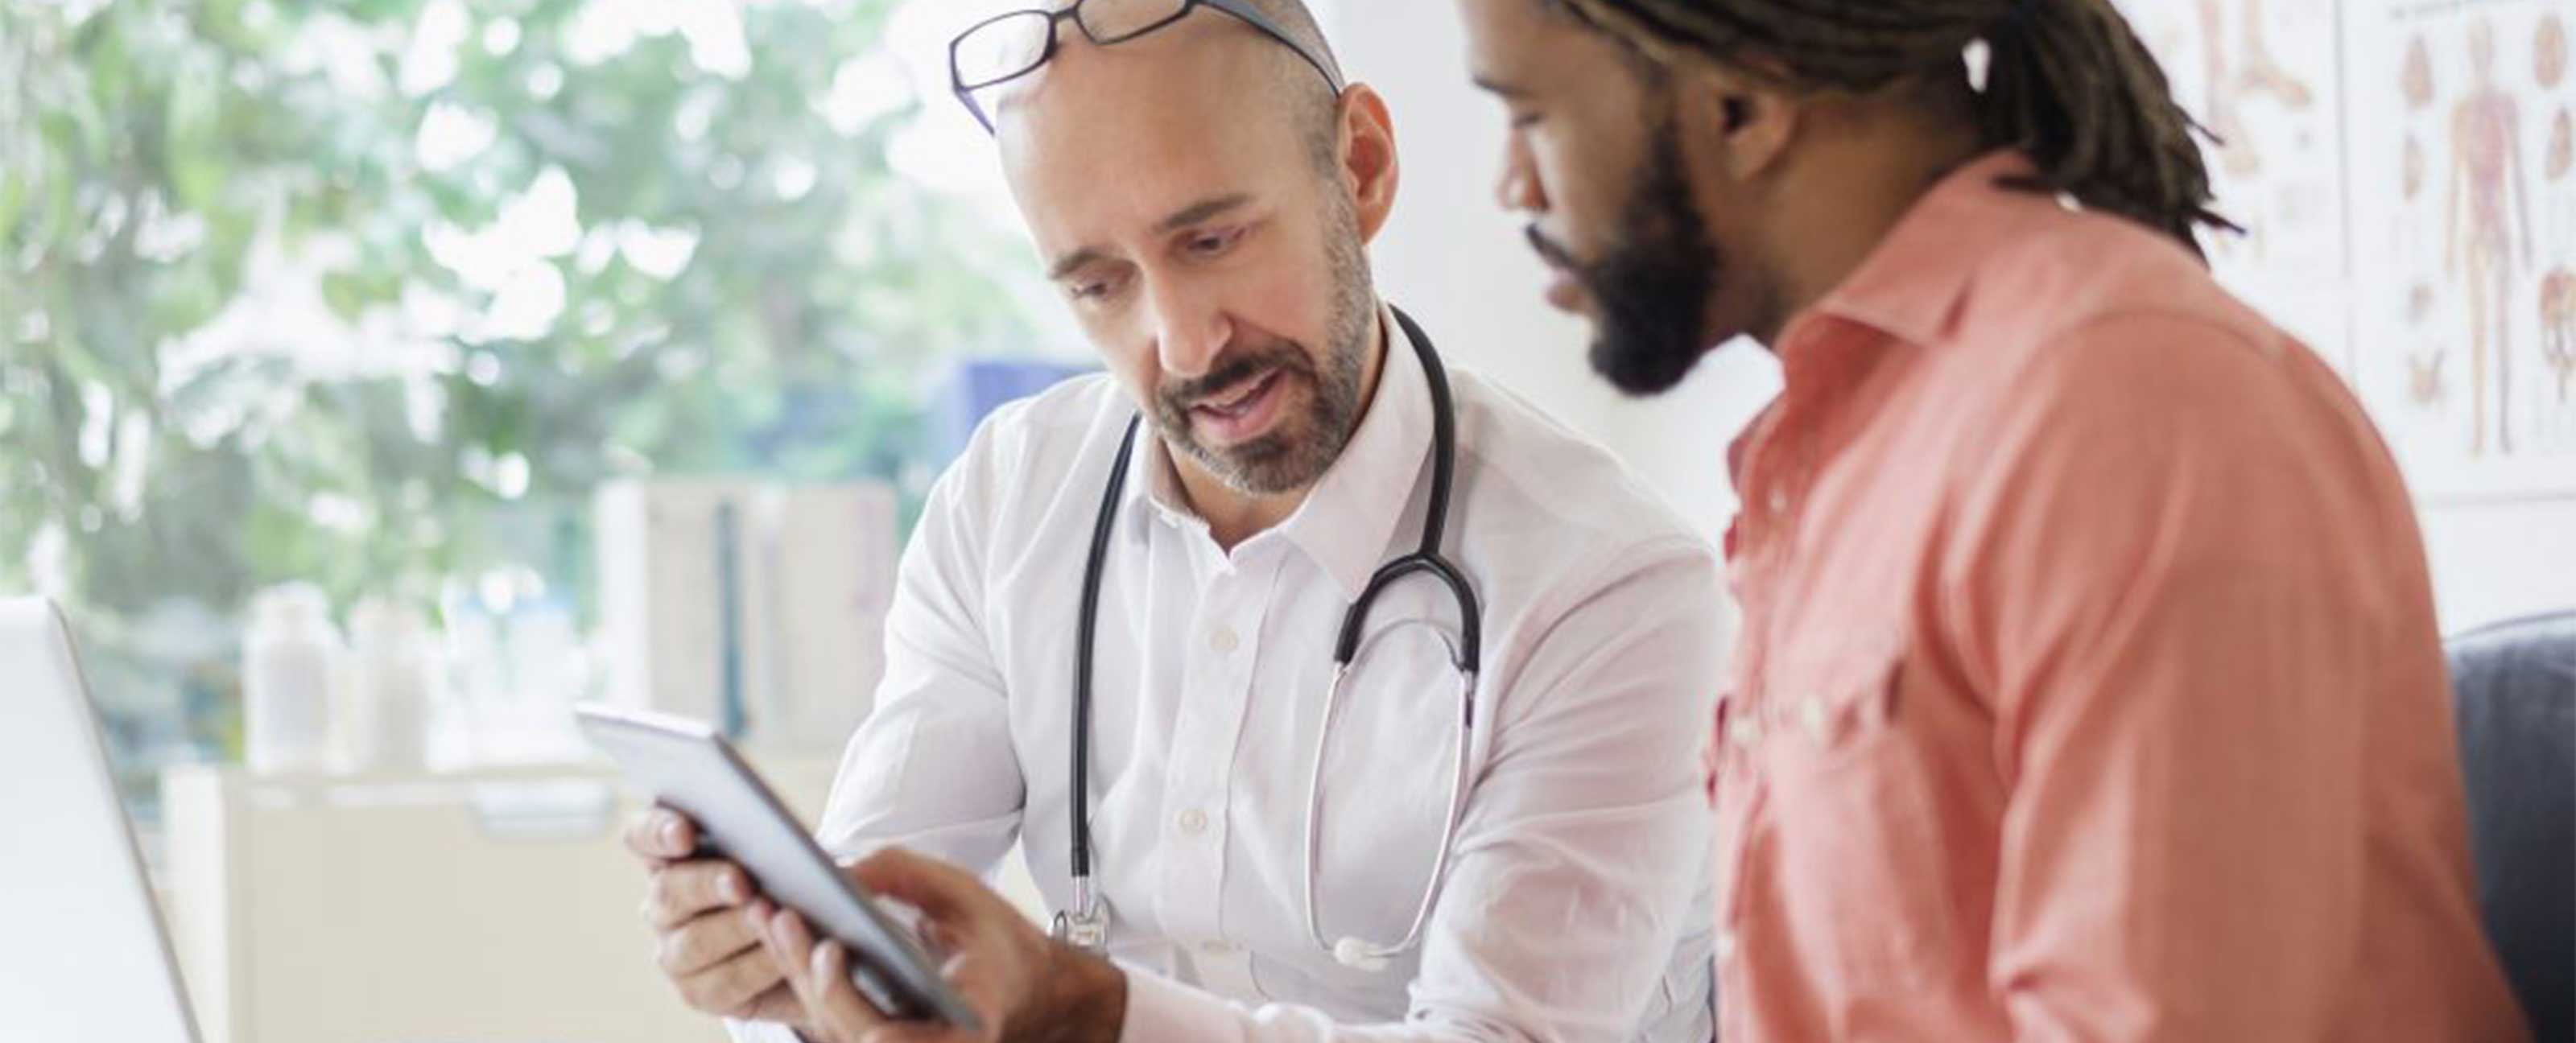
690	769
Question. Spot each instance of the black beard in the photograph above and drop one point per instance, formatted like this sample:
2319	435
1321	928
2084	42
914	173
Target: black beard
1654	283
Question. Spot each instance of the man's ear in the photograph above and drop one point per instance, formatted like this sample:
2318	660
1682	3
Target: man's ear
1746	120
1370	171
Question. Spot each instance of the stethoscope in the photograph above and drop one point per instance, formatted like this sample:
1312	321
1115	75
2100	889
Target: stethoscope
1086	925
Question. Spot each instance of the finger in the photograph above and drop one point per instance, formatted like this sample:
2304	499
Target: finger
734	985
662	833
840	1006
703	942
779	1004
789	959
830	998
684	891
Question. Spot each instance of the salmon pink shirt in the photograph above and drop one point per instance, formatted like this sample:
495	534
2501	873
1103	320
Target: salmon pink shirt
2089	686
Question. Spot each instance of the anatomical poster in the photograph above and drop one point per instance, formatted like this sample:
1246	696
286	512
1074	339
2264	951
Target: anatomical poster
2463	237
2263	77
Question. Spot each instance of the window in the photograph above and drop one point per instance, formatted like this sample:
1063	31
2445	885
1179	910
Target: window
376	295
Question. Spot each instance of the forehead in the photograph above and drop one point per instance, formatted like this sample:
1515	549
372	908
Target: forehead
1504	25
1518	43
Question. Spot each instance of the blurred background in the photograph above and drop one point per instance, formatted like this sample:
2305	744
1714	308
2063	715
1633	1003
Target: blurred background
377	296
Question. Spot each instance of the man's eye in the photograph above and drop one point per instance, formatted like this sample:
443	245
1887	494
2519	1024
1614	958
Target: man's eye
1524	120
1091	289
1211	244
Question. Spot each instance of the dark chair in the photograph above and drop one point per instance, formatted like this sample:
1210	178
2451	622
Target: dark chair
2514	696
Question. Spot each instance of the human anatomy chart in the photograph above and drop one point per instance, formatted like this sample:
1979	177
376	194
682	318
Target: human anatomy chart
2261	75
2402	170
2464	219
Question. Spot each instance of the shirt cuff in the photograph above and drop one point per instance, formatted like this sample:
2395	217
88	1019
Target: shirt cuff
1160	1010
761	1032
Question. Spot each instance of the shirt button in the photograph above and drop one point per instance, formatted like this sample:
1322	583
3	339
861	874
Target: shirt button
1779	501
1193	821
1744	731
1725	946
1811	713
1224	640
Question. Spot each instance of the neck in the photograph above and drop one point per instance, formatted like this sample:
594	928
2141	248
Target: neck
1233	515
1851	191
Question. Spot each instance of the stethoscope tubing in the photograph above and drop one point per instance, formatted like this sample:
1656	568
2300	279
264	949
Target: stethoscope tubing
1086	920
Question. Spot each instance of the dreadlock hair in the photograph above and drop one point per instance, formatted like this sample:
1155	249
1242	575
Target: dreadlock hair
2067	82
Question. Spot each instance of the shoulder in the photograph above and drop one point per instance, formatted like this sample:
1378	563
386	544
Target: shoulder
2065	273
2146	394
2090	318
1077	419
1534	490
1028	456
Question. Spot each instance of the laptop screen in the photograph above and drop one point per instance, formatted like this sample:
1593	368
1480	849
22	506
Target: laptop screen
86	959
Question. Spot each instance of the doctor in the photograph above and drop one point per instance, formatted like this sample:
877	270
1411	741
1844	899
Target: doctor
1487	825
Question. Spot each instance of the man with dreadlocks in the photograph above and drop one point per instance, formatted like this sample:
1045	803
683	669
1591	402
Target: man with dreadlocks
2089	685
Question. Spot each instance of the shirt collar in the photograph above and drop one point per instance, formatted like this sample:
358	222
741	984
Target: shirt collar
1911	285
1161	492
1350	515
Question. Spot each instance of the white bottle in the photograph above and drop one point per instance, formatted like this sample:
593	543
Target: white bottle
291	661
384	717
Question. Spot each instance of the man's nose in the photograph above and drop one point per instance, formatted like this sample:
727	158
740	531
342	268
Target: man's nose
1189	332
1519	191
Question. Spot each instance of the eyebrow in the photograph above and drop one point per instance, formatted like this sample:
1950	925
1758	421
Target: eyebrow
1201	211
1494	86
1180	219
1074	262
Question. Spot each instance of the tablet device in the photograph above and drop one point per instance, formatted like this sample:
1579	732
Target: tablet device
689	768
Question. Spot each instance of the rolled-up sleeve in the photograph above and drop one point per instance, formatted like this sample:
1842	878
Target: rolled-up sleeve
1580	865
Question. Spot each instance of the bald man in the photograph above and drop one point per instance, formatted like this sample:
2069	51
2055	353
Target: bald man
1508	839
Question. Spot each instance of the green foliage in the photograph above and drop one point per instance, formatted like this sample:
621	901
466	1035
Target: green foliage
236	347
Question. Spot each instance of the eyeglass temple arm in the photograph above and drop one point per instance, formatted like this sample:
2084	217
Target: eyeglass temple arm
1271	29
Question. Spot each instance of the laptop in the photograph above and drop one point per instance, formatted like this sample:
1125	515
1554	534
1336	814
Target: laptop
83	953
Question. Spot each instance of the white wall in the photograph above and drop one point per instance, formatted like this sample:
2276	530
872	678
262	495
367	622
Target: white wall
1450	257
1456	261
1453	258
2498	561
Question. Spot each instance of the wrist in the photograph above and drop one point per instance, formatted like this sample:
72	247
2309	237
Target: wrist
1083	1000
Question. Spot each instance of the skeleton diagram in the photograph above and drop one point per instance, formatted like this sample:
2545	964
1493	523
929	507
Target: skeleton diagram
2487	211
2253	71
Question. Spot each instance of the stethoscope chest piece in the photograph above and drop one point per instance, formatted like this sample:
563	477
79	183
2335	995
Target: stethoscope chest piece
1088	932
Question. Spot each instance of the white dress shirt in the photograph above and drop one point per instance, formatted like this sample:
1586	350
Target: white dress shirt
1576	903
